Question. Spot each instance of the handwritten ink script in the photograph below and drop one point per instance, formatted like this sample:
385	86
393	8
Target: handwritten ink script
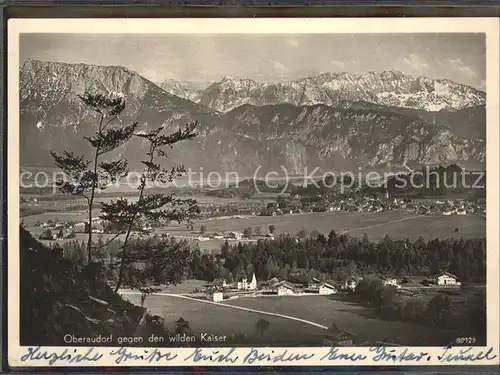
451	355
122	355
256	356
90	356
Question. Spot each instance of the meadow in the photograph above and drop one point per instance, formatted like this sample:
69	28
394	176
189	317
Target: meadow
220	320
352	317
396	224
323	310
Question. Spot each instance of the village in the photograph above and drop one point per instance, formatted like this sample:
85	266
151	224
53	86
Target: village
220	290
56	229
366	203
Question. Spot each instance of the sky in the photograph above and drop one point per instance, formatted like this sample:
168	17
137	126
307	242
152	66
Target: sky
460	57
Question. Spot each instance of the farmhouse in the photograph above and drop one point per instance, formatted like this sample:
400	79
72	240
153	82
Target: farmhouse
80	227
219	283
351	283
327	289
336	337
445	278
245	285
389	281
286	289
314	284
96	220
215	296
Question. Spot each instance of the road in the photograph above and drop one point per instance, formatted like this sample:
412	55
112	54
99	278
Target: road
381	224
233	307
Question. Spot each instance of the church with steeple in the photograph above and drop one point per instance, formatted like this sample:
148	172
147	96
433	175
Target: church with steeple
245	285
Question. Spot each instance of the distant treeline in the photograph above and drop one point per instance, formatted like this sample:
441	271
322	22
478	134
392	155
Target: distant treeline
334	257
340	256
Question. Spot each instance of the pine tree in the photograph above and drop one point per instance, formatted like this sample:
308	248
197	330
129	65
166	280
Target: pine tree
153	209
85	177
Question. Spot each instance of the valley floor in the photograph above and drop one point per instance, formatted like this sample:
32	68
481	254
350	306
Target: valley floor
396	224
294	321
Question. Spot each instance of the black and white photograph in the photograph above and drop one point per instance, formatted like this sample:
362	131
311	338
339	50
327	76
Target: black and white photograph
252	189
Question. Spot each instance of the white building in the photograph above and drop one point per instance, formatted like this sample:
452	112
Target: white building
327	289
253	283
245	285
285	289
79	227
96	220
390	281
314	283
350	284
215	296
219	283
446	278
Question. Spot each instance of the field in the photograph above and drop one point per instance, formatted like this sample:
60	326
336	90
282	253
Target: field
318	309
220	320
352	317
397	224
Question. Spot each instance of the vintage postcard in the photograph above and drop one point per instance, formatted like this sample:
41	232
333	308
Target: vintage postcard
253	192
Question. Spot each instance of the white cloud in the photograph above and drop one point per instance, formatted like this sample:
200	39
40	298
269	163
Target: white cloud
278	67
458	66
415	63
338	64
292	43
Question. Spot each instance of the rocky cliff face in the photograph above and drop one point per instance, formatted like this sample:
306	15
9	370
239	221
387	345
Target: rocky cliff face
355	128
338	138
390	88
54	118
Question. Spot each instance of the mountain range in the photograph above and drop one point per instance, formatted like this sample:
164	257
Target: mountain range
332	121
390	88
